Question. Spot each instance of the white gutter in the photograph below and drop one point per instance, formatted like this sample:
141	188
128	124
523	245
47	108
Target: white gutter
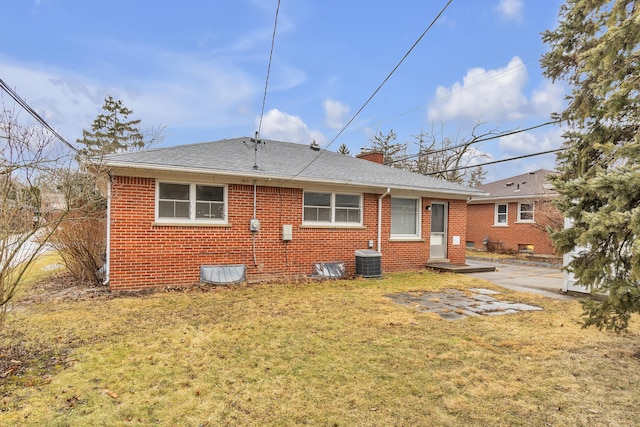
511	198
279	180
380	218
107	262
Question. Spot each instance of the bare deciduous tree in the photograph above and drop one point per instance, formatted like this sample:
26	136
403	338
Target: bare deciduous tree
446	157
393	153
30	158
81	240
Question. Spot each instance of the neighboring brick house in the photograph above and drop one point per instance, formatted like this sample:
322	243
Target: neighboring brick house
173	210
514	215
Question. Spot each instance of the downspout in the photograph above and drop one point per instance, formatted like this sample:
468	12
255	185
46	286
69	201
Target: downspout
107	261
380	218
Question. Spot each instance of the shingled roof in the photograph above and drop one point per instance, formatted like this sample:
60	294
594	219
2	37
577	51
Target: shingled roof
524	186
278	160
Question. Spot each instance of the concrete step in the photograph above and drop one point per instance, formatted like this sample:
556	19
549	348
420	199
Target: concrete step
460	268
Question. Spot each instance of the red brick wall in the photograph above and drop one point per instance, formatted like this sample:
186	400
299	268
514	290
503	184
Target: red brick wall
480	224
457	226
146	255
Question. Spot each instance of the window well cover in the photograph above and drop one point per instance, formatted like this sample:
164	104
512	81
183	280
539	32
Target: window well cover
329	269
222	274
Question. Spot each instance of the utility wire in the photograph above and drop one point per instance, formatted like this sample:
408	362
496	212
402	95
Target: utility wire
489	138
266	84
33	113
375	92
474	82
497	161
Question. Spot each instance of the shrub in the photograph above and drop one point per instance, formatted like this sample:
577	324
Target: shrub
81	242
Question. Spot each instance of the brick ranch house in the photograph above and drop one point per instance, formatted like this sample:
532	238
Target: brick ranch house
514	215
274	207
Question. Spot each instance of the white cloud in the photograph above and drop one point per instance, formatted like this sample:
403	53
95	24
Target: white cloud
193	93
483	95
548	99
335	113
528	143
510	10
279	125
496	95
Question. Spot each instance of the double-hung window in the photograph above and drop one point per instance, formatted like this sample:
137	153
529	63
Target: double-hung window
332	208
525	212
180	202
405	217
501	214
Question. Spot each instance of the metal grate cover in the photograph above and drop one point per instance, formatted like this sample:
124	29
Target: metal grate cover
329	269
223	274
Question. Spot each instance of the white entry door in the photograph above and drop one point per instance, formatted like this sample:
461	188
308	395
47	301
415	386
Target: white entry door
438	236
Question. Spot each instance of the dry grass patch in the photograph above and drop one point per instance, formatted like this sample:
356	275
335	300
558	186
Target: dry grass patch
329	353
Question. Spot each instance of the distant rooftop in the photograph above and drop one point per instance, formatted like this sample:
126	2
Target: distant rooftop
526	185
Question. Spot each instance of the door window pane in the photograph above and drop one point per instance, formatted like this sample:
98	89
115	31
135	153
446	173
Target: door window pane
437	218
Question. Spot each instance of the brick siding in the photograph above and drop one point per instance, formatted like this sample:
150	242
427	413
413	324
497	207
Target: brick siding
480	224
145	255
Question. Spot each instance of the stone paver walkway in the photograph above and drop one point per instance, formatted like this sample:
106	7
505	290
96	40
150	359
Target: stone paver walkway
453	304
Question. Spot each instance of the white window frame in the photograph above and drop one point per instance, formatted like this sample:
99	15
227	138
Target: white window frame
332	206
418	233
532	211
497	214
192	204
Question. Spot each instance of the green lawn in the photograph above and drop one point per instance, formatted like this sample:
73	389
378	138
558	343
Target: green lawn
336	353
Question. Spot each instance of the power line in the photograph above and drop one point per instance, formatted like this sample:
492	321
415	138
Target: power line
33	113
497	161
441	150
266	84
496	76
375	92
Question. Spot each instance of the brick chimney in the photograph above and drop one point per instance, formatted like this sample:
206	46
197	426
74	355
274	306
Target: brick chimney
372	156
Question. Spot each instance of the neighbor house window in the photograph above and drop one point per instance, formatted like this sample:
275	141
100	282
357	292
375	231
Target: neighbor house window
191	202
525	212
501	214
405	217
332	208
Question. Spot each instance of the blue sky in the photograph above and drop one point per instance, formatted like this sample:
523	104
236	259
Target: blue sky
199	69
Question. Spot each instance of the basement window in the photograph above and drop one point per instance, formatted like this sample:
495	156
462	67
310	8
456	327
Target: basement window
528	249
190	202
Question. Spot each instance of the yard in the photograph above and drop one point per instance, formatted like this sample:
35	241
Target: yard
310	353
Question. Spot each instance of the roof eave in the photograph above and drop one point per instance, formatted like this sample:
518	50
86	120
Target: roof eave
490	199
284	179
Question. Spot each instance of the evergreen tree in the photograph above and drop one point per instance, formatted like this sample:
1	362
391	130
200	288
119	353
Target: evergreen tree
393	153
595	50
111	132
343	149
